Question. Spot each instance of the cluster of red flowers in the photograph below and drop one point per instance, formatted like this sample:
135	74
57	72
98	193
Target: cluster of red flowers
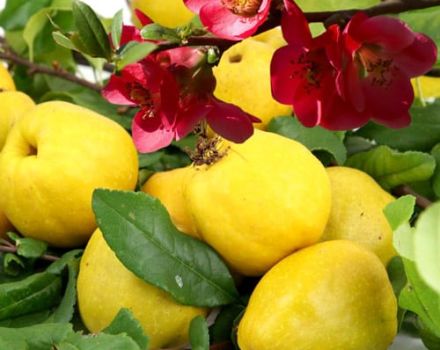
339	80
343	78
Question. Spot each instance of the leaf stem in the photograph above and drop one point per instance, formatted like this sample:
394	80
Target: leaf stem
8	248
421	201
34	68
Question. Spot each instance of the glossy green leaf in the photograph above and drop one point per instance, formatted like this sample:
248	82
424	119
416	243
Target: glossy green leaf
64	311
28	247
125	322
116	32
400	211
134	52
419	298
13	265
26	320
427	246
315	139
199	333
63	41
436	177
58	266
34	293
425	21
99	341
155	31
91	31
221	330
422	134
391	168
38	337
333	5
16	13
139	230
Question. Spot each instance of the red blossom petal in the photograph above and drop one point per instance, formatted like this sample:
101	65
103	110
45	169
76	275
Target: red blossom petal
417	58
230	122
295	26
354	92
283	80
130	33
189	118
142	17
117	92
225	24
389	103
390	33
151	140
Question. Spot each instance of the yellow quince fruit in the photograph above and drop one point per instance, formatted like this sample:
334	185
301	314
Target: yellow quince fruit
105	286
357	212
6	81
243	79
333	295
264	199
53	159
429	86
168	13
273	37
167	186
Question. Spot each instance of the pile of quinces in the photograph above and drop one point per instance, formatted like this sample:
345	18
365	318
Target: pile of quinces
316	236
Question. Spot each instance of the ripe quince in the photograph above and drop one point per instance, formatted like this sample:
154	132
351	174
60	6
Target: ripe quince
159	12
264	199
357	211
53	159
105	286
333	295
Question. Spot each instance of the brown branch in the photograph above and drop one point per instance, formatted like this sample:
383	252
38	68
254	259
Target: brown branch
35	68
421	201
13	249
227	345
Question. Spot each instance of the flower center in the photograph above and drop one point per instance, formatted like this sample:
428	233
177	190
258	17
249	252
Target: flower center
143	98
380	70
244	8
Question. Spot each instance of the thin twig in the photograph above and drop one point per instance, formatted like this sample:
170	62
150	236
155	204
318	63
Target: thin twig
227	345
13	249
421	201
35	68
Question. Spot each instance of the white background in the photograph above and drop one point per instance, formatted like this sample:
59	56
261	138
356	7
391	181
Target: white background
108	8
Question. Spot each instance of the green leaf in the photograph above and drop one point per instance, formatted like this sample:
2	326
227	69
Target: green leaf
134	52
221	330
148	159
391	168
139	230
91	31
427	246
334	5
13	265
26	320
116	31
64	311
436	177
199	333
125	322
403	241
58	266
425	21
99	341
155	31
38	337
400	211
63	41
28	247
32	294
315	139
422	134
419	298
16	13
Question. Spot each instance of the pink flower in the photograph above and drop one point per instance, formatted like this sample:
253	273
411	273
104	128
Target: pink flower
231	19
174	90
303	74
382	54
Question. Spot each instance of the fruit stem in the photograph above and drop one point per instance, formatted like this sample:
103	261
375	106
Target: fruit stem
9	248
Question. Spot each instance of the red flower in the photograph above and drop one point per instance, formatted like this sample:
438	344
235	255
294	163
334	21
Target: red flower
231	19
382	54
303	74
174	91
